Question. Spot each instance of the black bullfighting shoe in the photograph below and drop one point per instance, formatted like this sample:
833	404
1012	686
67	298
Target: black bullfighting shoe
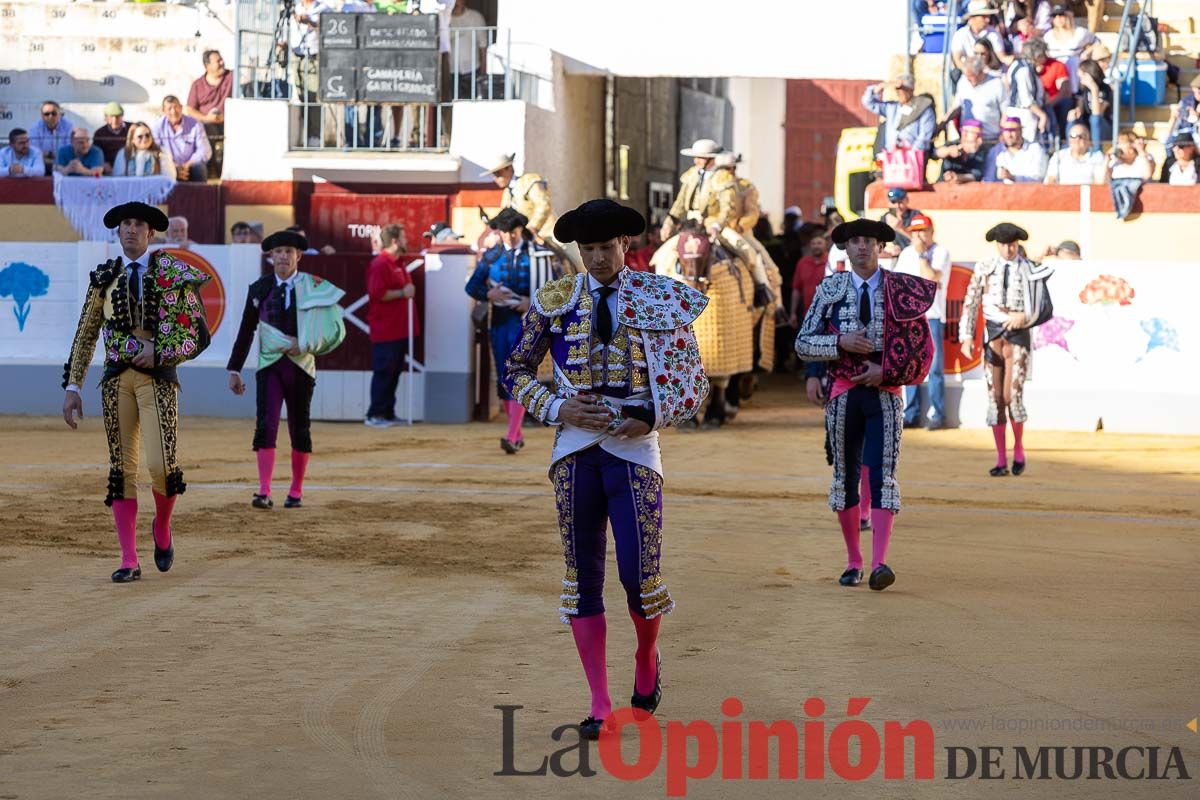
262	501
649	702
127	575
590	728
851	577
163	558
1018	467
1000	472
291	502
881	578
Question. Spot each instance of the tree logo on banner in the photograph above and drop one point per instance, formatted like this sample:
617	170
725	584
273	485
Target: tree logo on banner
22	282
212	294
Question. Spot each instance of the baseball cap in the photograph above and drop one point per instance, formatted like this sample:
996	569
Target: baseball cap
896	193
1069	245
920	222
114	109
440	232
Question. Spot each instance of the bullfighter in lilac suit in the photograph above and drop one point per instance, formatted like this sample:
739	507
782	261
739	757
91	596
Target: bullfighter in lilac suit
626	364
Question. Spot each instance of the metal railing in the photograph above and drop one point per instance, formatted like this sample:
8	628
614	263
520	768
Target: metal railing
1128	38
270	66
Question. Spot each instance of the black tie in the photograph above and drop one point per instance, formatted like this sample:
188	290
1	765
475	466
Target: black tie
604	321
864	306
135	285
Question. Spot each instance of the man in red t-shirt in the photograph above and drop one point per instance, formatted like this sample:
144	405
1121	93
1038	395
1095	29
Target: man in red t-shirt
1057	83
639	260
206	104
389	288
810	270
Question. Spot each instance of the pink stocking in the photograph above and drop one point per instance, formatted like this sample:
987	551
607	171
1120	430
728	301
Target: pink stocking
645	664
125	519
848	519
516	414
163	506
299	465
881	534
1019	441
266	466
590	636
864	495
998	431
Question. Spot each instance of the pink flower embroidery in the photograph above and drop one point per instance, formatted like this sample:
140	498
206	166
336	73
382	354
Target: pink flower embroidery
170	297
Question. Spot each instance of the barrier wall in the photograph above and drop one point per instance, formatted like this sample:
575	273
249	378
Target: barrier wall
42	286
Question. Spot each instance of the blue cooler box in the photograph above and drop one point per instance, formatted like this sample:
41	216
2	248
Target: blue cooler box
1149	83
933	31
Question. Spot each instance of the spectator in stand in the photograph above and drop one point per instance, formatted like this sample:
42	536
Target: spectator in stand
1015	160
1021	33
326	250
244	233
1056	86
21	159
993	66
639	260
899	215
980	98
810	271
1093	101
1036	11
113	135
1180	167
468	48
1185	115
980	24
1128	167
50	133
80	157
1129	159
964	161
908	120
206	104
1068	42
389	288
177	233
1026	97
1066	250
142	156
929	260
184	139
1077	163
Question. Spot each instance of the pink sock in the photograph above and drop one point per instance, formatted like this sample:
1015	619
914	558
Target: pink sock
590	636
864	495
881	534
266	466
645	661
125	520
849	519
163	506
998	431
299	464
1019	441
516	414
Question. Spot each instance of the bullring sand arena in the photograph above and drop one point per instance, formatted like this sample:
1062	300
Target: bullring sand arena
358	647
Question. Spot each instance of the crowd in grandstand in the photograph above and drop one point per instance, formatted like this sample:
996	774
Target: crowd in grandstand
1032	103
178	145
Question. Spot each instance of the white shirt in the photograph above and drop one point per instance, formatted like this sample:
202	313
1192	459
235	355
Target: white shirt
290	283
464	46
963	41
984	103
141	262
1180	175
909	262
1068	170
1026	165
872	285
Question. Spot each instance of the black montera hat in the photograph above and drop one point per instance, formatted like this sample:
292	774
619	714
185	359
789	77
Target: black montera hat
598	221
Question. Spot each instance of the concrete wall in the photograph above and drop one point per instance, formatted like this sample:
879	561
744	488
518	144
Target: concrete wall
715	38
759	134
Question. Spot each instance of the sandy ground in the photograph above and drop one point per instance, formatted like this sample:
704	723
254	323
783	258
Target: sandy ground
357	648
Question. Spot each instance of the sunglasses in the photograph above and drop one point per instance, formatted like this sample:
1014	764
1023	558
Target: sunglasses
1077	136
49	113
